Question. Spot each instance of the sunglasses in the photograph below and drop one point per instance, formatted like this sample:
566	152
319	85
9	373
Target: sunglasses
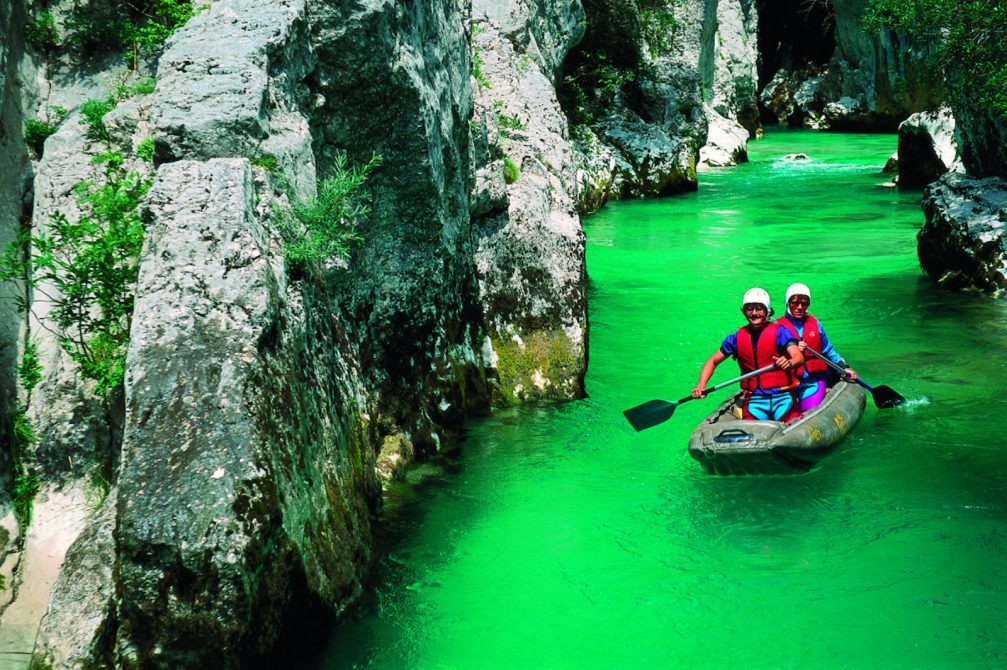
754	308
800	302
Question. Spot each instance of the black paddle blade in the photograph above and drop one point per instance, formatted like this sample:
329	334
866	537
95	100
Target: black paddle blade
886	398
650	413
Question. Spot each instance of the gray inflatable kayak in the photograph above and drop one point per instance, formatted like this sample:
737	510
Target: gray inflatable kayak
726	445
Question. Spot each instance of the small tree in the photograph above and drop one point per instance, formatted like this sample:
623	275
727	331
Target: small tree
87	268
970	37
325	226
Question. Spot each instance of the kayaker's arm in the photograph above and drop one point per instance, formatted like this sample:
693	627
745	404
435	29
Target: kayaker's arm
708	367
793	358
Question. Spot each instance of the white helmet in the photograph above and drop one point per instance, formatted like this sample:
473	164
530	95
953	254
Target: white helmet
757	295
798	289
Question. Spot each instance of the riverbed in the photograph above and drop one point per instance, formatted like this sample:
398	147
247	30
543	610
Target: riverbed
559	538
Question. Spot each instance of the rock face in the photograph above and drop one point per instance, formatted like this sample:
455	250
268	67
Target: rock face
643	87
538	348
15	180
927	148
887	75
240	451
869	83
735	77
394	79
963	243
982	137
243	449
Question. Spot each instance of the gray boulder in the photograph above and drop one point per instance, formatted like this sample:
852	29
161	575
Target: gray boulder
726	143
963	242
927	148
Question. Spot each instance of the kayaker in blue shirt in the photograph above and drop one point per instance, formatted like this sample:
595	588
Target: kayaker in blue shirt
757	344
814	375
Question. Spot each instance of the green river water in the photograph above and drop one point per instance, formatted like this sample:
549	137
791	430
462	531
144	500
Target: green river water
559	538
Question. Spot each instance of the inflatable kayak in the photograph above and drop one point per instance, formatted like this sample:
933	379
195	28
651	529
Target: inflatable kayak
726	445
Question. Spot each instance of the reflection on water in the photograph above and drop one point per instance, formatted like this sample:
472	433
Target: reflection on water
559	538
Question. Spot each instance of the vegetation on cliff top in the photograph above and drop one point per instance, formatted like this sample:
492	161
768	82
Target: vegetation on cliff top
971	43
99	27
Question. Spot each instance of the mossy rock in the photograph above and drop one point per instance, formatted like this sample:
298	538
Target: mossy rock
543	365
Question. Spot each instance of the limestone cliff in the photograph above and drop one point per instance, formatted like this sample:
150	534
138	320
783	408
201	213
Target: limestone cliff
650	84
242	452
235	470
860	82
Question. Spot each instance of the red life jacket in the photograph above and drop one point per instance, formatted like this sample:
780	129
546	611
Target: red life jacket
750	359
813	336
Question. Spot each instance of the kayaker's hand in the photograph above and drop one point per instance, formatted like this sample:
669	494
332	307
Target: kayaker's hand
782	362
802	345
698	392
851	373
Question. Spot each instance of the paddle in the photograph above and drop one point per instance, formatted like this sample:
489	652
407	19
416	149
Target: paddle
653	412
884	397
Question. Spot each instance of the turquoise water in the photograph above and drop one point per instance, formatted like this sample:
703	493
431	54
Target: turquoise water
559	538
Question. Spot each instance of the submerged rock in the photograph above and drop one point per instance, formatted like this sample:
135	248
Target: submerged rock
963	243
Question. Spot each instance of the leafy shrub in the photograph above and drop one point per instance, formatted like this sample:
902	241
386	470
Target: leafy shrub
135	25
145	149
511	171
35	133
144	86
969	40
94	112
91	267
477	70
658	25
26	485
325	226
592	86
264	161
511	122
41	32
30	369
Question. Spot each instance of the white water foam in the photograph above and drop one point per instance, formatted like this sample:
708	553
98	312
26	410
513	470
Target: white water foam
912	404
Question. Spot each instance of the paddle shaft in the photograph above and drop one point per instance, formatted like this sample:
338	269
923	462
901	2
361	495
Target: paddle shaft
711	389
838	369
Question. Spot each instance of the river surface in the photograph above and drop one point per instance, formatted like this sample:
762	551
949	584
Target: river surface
559	538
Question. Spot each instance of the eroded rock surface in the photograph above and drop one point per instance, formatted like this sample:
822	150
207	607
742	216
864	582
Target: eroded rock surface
927	148
963	242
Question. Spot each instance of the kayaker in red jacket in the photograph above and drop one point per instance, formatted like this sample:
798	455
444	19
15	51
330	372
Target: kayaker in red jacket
815	374
757	344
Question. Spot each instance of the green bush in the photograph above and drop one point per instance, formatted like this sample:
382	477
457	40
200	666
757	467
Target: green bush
477	70
658	25
36	131
94	112
325	226
969	39
41	32
30	369
91	266
591	87
144	86
145	149
135	25
511	171
264	161
26	485
510	122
